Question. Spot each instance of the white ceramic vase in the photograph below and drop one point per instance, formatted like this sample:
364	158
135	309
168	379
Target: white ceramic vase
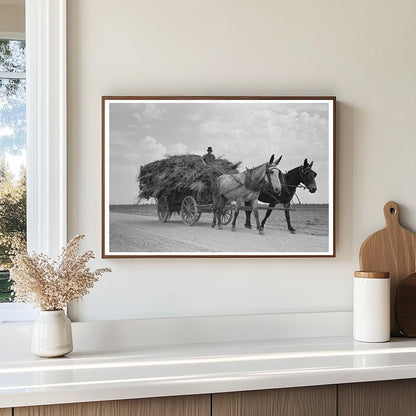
52	334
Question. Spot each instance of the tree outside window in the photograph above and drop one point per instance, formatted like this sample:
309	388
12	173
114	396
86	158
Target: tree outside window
12	156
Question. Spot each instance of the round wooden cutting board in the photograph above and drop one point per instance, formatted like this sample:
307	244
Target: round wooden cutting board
405	306
393	250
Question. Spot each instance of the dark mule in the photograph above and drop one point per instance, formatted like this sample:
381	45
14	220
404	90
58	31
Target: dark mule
245	187
290	181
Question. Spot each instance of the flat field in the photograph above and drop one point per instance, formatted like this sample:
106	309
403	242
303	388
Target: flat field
309	219
136	228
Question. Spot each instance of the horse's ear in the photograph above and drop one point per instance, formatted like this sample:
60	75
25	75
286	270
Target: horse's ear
305	163
311	164
278	160
271	160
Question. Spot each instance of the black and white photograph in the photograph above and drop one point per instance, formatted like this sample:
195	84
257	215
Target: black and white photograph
218	176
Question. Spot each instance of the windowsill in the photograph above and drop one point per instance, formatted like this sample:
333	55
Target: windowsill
155	371
16	313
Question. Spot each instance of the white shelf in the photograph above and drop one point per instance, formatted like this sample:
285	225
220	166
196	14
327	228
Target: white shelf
151	371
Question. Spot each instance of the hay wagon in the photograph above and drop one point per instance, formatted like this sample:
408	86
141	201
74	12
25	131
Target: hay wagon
190	206
182	184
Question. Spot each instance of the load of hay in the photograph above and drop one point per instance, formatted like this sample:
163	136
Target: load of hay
182	173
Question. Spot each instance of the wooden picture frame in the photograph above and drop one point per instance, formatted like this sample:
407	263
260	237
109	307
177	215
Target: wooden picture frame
158	193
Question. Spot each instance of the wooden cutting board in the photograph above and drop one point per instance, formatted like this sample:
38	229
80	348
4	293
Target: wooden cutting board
393	250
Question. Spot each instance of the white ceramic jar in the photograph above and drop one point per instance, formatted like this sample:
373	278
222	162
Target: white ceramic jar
371	322
52	334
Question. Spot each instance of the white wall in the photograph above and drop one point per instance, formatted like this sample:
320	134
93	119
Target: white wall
361	51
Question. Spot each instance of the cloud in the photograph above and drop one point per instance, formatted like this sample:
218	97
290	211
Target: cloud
125	148
150	149
252	136
127	154
5	131
16	162
195	117
148	115
178	149
141	133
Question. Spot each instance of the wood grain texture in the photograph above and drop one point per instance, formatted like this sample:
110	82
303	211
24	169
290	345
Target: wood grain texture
161	406
405	306
5	412
300	401
371	275
383	398
393	250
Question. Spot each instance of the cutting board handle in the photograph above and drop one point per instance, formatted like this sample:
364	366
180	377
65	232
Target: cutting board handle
391	214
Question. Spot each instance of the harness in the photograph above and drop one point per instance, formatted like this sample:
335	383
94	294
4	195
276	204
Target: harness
249	183
302	172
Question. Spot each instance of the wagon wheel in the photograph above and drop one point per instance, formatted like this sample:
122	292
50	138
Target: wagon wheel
226	216
189	210
198	216
163	211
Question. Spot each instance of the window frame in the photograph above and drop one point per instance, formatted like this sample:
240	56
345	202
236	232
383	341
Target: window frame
46	125
46	137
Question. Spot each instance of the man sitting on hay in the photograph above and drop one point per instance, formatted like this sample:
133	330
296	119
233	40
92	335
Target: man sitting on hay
209	157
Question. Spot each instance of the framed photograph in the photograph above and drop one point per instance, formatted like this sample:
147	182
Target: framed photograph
218	176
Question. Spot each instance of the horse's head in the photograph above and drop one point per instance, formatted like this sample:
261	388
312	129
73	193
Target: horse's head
273	174
307	176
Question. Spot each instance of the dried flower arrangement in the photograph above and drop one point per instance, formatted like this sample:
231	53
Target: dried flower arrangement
53	285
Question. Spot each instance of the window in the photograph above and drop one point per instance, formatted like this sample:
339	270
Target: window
12	165
12	155
46	134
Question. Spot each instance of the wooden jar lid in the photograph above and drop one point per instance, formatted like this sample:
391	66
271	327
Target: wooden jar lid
372	275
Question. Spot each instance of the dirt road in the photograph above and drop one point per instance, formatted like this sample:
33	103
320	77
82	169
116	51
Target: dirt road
140	233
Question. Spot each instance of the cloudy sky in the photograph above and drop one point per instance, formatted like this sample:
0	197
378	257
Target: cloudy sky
250	132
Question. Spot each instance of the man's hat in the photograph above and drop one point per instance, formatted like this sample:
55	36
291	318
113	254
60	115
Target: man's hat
209	149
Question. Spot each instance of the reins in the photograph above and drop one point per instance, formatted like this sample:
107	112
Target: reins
286	185
248	177
266	189
302	178
236	187
300	185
